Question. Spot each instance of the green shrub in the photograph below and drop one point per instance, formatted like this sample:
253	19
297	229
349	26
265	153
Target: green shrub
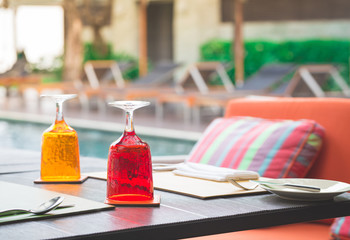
91	54
259	53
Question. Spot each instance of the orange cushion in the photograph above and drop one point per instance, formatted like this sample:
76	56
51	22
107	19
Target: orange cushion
300	231
331	113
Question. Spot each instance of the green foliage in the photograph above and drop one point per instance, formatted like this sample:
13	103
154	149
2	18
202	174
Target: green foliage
132	72
259	53
216	50
91	54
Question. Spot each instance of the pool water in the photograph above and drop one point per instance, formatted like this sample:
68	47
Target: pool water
92	143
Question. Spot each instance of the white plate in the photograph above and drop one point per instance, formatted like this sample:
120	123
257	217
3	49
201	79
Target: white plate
329	189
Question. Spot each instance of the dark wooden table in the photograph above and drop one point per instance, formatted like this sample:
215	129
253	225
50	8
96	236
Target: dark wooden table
177	217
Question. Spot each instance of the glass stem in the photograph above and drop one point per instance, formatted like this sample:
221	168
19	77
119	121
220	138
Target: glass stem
59	111
129	127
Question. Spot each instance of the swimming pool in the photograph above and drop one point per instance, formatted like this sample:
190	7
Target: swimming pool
92	143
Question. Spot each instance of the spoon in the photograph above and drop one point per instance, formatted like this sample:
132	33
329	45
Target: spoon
43	208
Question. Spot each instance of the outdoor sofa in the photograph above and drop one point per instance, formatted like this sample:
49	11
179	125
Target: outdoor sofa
332	162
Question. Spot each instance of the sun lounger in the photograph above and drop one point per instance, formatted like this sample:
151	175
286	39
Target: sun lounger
260	83
146	87
308	81
19	74
90	68
196	80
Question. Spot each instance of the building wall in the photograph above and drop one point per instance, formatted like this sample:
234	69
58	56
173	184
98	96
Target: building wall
195	22
124	28
198	21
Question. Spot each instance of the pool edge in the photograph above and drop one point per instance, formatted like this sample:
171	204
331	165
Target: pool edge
102	125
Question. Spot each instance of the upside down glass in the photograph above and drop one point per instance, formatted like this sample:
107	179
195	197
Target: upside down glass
60	147
129	169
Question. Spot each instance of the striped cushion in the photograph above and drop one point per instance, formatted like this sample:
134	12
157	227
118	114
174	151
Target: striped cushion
340	228
273	148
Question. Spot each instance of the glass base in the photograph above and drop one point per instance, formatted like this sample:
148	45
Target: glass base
80	180
155	202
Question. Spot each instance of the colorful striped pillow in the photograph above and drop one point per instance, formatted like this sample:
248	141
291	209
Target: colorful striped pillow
273	148
340	228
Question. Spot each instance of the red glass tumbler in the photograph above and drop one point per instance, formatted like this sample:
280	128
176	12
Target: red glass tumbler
129	169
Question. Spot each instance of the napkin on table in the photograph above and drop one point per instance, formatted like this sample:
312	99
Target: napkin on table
214	173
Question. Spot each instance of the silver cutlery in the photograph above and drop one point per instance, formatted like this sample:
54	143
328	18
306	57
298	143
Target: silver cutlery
246	185
41	209
303	187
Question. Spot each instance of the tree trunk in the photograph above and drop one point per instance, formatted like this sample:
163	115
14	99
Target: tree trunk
73	57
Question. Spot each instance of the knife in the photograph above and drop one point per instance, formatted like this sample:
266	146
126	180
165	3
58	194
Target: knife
290	185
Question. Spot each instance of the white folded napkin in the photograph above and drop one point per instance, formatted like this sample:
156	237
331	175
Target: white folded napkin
214	173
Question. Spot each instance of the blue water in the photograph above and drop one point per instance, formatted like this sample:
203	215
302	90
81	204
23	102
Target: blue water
92	143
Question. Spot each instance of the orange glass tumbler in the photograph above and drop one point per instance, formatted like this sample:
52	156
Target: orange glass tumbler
60	148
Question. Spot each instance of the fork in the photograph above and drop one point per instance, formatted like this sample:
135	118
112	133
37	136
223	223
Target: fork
251	185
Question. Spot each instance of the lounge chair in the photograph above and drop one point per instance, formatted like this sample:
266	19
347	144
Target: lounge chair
260	83
146	87
19	73
18	69
115	73
309	79
201	74
84	90
196	80
267	77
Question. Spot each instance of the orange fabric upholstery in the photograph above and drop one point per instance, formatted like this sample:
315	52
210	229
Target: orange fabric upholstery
332	113
333	162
